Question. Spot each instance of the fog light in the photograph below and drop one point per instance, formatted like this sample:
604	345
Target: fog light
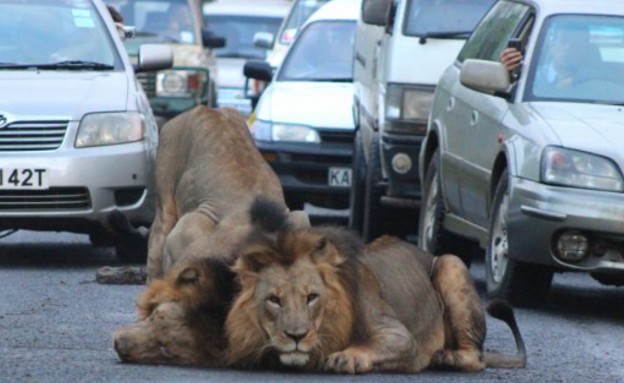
401	163
572	246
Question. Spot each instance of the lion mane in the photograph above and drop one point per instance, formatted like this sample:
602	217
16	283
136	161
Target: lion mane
315	298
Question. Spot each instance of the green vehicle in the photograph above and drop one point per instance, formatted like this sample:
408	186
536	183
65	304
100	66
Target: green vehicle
179	24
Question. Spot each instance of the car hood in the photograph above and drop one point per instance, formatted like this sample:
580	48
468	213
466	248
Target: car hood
62	94
231	72
316	104
590	127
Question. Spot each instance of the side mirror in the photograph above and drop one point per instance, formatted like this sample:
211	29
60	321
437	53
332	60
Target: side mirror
375	12
210	40
258	70
485	76
154	57
263	40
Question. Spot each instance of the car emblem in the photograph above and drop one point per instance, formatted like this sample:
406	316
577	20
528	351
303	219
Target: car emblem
3	121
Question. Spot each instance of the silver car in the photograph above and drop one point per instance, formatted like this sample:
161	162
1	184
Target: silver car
531	169
77	135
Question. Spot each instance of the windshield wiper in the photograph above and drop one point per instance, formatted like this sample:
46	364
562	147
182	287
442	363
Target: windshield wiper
442	35
341	79
68	65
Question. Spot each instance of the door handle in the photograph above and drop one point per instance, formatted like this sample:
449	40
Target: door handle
474	118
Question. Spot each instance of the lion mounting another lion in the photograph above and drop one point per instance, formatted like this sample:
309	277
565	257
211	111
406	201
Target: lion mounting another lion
312	299
208	173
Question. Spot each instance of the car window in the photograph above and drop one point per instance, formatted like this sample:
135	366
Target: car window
444	16
239	32
47	32
502	21
163	20
579	58
301	10
323	52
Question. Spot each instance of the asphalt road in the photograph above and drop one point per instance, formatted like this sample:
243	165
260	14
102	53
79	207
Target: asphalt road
56	326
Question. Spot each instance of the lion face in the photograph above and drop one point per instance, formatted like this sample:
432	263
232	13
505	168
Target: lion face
293	302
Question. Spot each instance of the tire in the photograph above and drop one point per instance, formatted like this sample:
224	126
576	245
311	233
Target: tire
372	221
131	250
356	195
432	236
520	283
294	201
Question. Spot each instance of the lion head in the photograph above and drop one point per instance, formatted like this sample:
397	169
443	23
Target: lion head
297	302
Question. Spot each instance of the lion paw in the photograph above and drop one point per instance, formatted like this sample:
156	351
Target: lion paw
349	361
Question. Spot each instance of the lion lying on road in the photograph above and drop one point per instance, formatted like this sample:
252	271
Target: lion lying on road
308	300
208	173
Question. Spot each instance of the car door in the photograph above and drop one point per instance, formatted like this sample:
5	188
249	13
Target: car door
474	118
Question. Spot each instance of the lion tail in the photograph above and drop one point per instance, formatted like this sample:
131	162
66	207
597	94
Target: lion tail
268	214
120	223
502	310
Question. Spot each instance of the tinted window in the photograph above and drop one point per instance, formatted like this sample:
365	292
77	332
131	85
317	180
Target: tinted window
444	16
42	32
323	52
579	58
491	36
239	32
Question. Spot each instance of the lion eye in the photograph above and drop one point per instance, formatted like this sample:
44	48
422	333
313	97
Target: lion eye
275	300
312	297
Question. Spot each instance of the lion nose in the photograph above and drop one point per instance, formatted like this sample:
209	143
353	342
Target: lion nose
297	336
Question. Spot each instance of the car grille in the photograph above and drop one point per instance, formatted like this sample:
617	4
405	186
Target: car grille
76	198
148	81
32	135
337	136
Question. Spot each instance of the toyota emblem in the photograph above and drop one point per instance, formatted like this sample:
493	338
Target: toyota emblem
3	121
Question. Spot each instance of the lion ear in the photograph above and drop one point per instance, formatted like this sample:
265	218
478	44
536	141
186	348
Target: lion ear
188	275
327	252
252	261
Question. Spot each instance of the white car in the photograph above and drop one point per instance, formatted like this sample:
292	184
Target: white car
303	123
239	21
531	172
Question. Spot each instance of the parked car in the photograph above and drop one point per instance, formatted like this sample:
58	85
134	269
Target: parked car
193	80
302	123
77	136
401	49
531	171
238	21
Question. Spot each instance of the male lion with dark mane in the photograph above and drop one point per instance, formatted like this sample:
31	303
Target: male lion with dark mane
313	298
208	173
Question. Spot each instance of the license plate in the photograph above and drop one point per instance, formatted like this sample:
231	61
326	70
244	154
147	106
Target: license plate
340	177
23	178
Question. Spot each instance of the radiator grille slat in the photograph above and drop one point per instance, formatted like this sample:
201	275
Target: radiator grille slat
51	199
32	135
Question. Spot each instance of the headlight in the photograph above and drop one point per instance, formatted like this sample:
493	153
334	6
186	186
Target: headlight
180	83
110	128
265	131
578	169
408	103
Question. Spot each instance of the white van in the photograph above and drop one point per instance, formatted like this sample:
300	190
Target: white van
401	49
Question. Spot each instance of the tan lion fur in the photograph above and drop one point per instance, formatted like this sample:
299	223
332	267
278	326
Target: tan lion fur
314	299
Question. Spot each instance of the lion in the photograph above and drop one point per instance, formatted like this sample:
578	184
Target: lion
313	298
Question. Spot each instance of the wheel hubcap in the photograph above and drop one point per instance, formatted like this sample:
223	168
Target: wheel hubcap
499	244
430	212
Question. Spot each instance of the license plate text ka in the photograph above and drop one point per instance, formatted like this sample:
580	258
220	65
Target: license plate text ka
340	177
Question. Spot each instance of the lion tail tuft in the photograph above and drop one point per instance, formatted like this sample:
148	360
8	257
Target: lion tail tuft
268	214
502	310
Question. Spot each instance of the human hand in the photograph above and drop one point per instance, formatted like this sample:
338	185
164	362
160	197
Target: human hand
511	58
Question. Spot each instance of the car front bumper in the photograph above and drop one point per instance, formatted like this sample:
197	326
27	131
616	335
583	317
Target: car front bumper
84	186
539	213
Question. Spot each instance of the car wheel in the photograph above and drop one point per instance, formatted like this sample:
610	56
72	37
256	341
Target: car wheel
432	236
521	283
372	220
131	250
356	195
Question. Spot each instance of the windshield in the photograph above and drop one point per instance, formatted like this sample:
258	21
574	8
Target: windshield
431	17
302	9
579	58
239	32
323	52
39	32
162	20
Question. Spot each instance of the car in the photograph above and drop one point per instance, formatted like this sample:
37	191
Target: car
278	44
401	49
528	167
78	138
193	79
238	21
303	124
